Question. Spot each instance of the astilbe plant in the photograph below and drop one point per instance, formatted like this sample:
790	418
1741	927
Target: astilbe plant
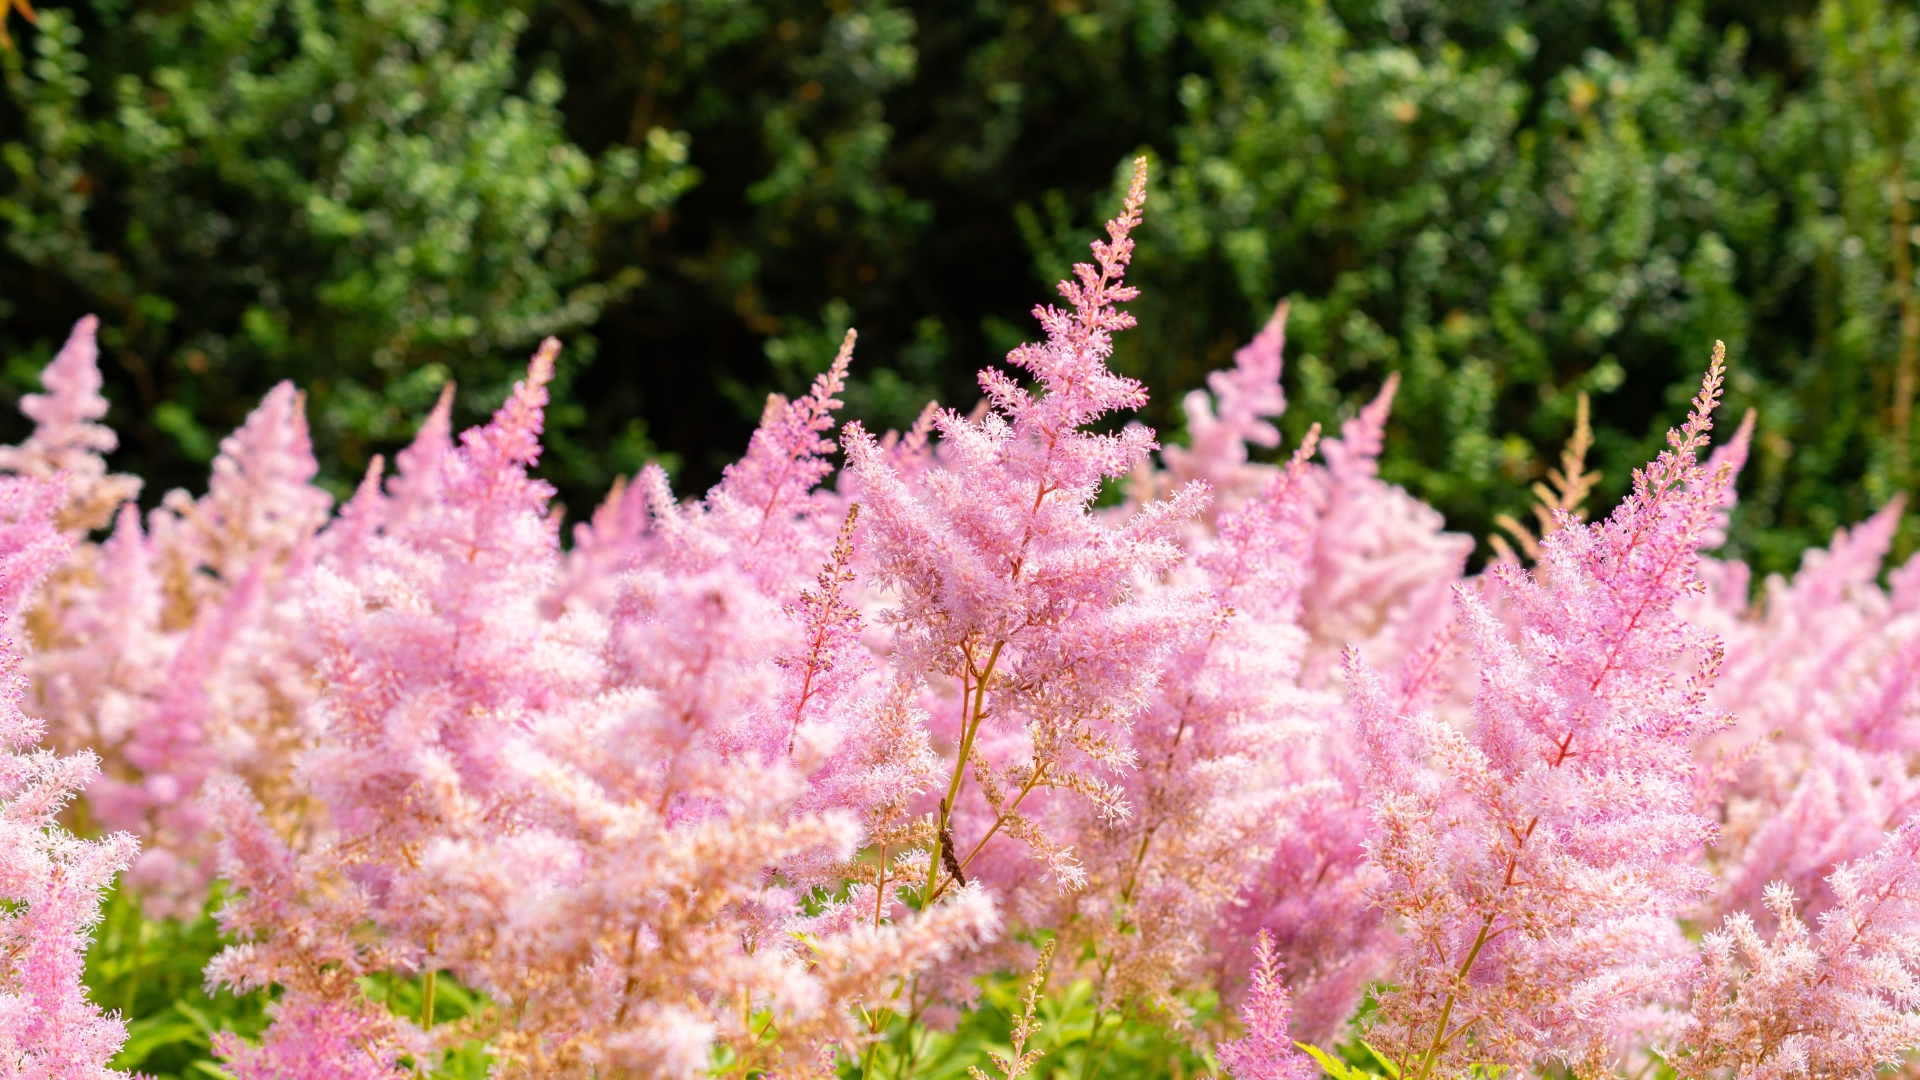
540	805
1025	610
172	651
1538	858
50	880
1824	674
746	783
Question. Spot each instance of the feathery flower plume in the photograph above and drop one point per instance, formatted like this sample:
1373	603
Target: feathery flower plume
1565	492
1383	567
539	803
1837	1002
1221	424
176	653
69	438
50	881
1215	786
1821	673
1015	595
1538	858
1265	1052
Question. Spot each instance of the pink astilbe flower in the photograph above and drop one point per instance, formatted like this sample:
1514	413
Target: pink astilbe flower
1266	1052
1219	426
1821	671
604	548
261	504
766	520
68	437
50	881
1383	568
1013	593
176	654
1217	746
1838	1002
555	808
1538	859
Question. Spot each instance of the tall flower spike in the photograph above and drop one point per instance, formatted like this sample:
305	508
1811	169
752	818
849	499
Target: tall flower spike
1383	564
1266	1052
50	881
68	437
1540	859
1219	428
1015	595
1230	756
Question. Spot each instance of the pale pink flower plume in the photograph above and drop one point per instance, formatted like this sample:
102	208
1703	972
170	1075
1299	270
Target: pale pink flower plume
1024	611
69	438
50	881
1266	1052
1834	1002
175	653
1539	857
1220	426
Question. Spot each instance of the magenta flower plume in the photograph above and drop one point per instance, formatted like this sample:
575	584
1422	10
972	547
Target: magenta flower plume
1015	598
1265	1052
68	436
1538	858
1836	1002
50	881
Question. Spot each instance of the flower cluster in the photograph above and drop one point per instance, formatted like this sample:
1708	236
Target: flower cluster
742	782
50	880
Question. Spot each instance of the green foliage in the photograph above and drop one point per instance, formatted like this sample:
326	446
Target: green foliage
366	198
1507	234
1075	1037
149	971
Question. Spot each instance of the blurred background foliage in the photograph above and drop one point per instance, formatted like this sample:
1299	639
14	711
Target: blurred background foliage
1509	203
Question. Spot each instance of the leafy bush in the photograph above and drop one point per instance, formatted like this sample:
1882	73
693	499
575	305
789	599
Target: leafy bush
1507	204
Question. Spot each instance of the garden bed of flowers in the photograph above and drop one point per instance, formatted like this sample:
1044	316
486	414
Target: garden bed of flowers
1016	714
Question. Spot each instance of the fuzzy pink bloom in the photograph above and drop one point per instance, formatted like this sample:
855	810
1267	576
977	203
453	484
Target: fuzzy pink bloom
68	436
175	653
1234	786
1015	595
261	503
571	810
1221	424
1383	568
1821	671
1538	858
1836	1002
314	1040
50	881
1266	1052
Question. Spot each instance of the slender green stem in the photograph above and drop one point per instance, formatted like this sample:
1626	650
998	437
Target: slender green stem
972	683
1446	1009
1092	1065
426	1001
